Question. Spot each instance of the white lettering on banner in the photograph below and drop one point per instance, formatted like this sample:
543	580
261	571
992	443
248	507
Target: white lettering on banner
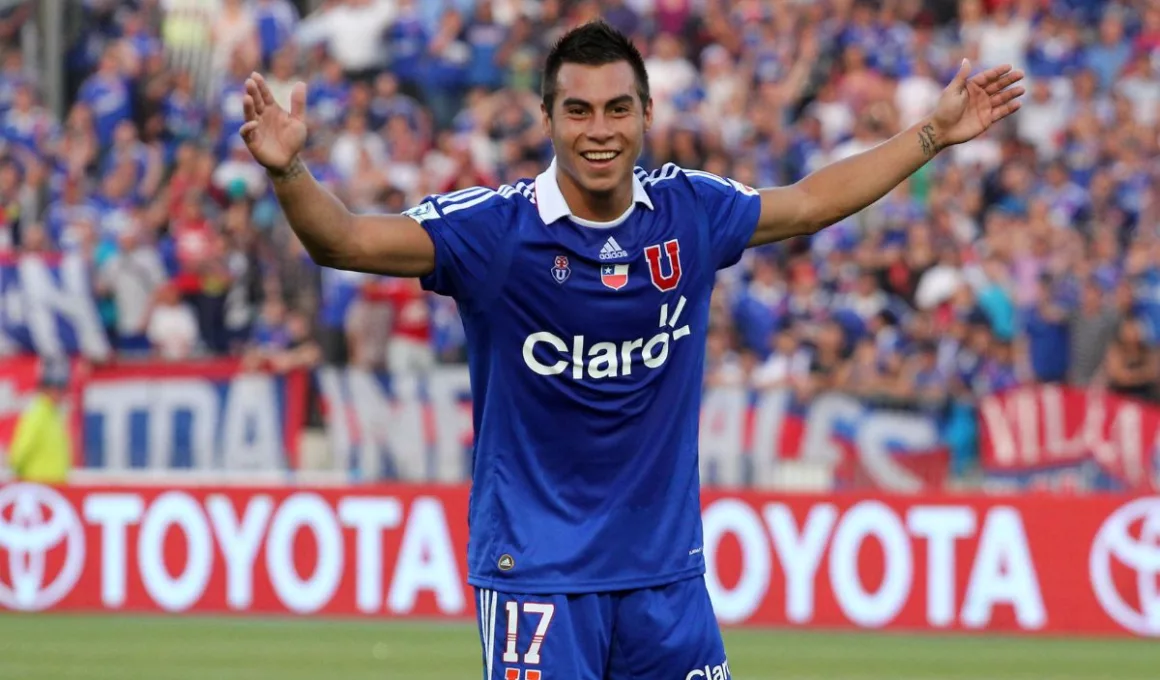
174	509
769	417
426	560
248	421
723	413
1001	569
736	517
1003	574
446	389
398	423
941	526
1029	427
369	517
871	518
883	430
826	411
113	512
196	397
391	423
304	595
41	301
239	543
800	554
251	424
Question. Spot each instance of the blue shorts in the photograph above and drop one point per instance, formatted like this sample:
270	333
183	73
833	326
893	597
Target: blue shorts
668	632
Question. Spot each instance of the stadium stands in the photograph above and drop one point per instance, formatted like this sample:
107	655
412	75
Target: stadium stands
1028	257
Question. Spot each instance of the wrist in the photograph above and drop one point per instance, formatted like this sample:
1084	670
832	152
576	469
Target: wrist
295	168
931	138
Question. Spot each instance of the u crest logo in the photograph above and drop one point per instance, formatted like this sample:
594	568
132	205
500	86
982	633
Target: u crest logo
656	268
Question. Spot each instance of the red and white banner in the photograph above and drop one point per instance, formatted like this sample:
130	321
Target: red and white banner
1029	564
205	416
1095	438
421	431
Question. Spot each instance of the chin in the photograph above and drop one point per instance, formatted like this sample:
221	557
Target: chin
606	181
601	185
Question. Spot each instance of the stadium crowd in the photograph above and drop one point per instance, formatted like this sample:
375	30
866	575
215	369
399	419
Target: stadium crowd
1031	254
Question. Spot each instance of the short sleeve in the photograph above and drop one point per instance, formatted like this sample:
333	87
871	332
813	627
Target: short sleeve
732	210
467	228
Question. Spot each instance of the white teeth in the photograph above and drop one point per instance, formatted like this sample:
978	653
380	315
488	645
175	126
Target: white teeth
600	156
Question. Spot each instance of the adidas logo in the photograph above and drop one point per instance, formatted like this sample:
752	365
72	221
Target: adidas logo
612	250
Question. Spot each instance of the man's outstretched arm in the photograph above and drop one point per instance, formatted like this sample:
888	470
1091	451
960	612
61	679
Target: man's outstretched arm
966	109
395	245
385	244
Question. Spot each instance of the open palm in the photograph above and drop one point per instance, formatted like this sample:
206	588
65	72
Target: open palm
970	106
273	135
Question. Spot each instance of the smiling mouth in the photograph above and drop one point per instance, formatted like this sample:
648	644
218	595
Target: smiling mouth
599	156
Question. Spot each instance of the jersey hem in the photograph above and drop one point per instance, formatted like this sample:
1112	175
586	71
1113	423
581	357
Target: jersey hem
582	587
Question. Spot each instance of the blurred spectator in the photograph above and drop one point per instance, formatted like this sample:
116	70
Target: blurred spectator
41	449
1045	325
351	31
131	276
1132	368
1092	328
281	341
172	328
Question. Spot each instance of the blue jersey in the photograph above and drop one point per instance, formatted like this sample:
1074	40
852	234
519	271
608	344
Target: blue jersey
585	346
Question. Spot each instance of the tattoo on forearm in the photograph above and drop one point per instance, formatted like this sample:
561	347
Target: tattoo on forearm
296	169
926	138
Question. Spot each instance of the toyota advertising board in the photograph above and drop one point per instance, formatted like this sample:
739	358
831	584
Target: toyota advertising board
1027	564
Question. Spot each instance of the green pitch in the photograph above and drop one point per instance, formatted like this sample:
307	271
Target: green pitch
53	647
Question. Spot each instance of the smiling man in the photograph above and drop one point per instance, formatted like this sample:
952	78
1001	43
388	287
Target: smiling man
584	294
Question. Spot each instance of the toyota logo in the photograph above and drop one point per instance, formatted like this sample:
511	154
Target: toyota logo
34	521
1139	552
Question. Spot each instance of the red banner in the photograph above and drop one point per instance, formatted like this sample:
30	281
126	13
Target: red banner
1032	564
1045	428
207	415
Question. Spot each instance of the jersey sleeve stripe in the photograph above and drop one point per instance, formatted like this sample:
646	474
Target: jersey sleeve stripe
454	207
709	176
665	172
461	195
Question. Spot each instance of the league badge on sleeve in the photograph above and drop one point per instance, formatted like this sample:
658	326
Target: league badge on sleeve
560	271
423	212
615	276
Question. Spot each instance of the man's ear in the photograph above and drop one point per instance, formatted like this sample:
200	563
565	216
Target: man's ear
546	120
648	114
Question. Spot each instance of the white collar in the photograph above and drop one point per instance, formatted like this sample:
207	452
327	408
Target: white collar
550	200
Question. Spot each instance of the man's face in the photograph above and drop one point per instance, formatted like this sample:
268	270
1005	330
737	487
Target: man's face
597	124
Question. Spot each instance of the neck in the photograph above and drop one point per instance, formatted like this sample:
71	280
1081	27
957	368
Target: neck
591	205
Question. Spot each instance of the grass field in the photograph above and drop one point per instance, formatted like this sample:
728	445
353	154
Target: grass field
53	647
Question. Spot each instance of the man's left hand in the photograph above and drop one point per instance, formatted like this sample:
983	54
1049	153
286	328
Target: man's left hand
968	107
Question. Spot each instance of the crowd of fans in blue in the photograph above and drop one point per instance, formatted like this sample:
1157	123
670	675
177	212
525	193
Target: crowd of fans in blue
1030	255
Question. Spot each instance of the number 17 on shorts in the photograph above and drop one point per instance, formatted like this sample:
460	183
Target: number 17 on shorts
664	632
513	630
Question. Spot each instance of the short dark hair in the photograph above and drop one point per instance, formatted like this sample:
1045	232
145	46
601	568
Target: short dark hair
593	44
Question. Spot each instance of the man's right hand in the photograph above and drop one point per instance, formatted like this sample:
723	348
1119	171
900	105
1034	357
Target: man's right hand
274	136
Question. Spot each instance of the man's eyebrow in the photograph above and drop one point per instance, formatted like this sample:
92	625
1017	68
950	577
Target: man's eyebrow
622	99
615	101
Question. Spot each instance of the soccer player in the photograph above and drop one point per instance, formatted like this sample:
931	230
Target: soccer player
584	294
